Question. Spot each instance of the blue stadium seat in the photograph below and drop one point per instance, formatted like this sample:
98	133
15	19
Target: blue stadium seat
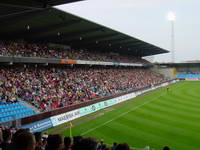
9	112
183	75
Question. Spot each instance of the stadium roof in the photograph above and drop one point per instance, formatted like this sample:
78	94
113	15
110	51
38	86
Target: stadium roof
34	3
181	64
17	7
55	26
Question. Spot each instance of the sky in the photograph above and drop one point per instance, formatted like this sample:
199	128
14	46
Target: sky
147	20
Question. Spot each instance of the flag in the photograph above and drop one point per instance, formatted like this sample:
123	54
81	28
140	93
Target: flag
70	124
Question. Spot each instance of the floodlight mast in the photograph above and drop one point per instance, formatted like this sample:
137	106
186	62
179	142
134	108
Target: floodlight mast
171	17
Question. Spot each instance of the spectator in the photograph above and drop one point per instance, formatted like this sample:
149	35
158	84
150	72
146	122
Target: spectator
6	136
114	146
123	146
24	141
50	88
103	147
166	148
1	138
44	143
76	141
42	50
86	144
68	143
38	139
54	142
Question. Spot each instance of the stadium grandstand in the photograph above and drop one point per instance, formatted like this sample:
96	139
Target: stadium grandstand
185	71
57	67
34	42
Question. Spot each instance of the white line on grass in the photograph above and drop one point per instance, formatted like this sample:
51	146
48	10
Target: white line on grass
92	129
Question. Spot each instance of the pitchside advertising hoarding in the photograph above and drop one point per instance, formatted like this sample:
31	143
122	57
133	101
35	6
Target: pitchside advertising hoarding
39	125
65	117
77	113
194	79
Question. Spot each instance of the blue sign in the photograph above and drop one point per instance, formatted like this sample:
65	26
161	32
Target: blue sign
39	126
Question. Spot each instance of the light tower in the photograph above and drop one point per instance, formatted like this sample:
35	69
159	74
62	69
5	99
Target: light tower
171	17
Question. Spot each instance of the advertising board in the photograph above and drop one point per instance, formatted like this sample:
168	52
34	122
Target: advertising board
65	117
39	125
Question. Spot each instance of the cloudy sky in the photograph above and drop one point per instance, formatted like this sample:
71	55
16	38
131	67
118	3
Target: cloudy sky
146	20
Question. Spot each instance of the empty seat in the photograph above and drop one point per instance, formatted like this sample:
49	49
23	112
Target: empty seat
9	112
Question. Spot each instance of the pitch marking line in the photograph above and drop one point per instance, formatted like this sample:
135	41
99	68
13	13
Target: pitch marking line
92	129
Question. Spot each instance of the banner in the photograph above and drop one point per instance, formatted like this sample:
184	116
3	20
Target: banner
65	117
192	79
39	125
68	61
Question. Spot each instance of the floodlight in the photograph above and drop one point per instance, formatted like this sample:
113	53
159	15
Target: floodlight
171	16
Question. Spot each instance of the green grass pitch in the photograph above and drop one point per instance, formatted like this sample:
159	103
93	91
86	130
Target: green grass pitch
155	119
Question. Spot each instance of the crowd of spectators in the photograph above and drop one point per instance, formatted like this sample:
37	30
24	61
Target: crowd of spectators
41	50
48	88
22	139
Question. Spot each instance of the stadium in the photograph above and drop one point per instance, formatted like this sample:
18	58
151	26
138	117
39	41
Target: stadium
68	83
